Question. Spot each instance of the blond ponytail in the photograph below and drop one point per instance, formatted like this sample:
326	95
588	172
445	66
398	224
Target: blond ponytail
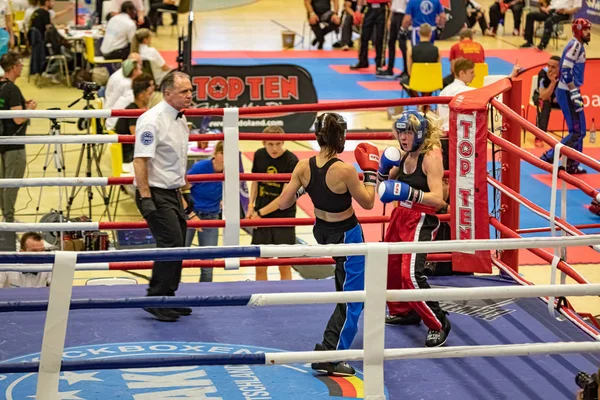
138	38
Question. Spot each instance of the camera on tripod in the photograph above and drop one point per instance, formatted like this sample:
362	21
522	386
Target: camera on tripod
589	384
88	86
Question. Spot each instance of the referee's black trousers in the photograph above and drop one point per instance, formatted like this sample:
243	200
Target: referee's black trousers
168	227
374	20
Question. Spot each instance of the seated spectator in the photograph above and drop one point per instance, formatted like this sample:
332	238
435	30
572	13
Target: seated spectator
475	15
30	242
119	83
120	30
155	18
142	43
464	73
320	11
557	11
143	88
140	19
424	52
207	204
498	12
348	23
465	48
544	97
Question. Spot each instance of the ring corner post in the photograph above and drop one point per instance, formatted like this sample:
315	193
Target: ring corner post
55	327
376	263
511	172
231	185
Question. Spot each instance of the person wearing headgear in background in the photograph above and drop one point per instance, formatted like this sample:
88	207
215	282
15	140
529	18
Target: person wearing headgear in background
331	185
419	191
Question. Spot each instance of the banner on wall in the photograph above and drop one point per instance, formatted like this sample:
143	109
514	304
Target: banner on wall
217	86
590	9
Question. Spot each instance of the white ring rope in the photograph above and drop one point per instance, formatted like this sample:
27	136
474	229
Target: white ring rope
50	227
48	182
56	114
59	139
556	259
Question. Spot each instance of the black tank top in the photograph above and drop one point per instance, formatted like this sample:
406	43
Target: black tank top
417	179
320	194
425	52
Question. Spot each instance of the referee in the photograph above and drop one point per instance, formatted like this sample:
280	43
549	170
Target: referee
376	16
160	159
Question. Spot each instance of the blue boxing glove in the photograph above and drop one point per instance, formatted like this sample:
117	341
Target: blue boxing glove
395	190
576	99
389	158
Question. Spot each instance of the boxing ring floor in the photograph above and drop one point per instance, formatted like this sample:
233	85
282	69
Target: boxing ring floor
115	333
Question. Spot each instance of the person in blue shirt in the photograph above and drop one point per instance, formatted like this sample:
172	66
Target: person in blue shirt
419	12
207	204
568	96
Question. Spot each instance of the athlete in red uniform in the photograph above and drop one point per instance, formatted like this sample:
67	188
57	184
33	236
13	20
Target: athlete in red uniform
419	171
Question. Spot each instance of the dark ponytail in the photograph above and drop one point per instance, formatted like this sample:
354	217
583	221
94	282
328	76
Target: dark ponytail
330	129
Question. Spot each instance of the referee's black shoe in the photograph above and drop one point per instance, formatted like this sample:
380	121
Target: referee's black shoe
438	338
163	314
339	368
410	318
185	311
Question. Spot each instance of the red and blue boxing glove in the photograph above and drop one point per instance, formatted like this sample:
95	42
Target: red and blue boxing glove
367	157
389	158
389	191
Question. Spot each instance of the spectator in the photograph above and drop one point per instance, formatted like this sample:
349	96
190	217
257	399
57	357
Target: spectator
143	88
13	158
419	12
320	11
155	18
207	204
7	38
475	15
544	97
142	43
119	83
41	17
557	11
498	12
139	16
348	23
120	30
425	51
396	34
273	158
31	242
465	48
464	73
374	29
35	4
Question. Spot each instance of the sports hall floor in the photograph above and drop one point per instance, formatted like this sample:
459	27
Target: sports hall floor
256	27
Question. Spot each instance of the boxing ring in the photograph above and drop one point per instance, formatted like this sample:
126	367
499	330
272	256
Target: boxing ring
251	340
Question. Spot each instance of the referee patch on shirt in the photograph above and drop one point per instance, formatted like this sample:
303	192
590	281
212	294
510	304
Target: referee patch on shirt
147	138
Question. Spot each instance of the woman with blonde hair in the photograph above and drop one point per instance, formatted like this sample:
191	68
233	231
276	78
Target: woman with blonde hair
419	192
142	43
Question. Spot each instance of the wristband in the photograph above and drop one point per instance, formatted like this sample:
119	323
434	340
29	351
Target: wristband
369	178
300	192
259	214
186	191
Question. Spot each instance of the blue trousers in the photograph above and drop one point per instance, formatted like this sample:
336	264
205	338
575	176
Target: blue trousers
208	237
575	123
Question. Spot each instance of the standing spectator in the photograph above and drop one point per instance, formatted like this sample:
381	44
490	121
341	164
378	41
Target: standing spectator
498	12
41	17
120	30
419	12
375	20
143	88
396	34
13	158
142	43
464	73
320	11
465	48
31	242
207	204
545	95
557	11
349	20
475	15
7	37
273	158
160	158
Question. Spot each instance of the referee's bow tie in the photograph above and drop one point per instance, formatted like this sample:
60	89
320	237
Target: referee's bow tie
179	115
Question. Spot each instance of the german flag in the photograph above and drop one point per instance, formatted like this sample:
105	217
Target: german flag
349	387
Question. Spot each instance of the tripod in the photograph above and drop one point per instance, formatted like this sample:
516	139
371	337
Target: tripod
54	154
92	156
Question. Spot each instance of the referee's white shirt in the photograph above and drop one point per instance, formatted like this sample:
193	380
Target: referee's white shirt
20	279
163	138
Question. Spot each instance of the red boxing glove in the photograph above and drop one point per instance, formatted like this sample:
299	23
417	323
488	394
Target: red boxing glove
358	18
595	207
367	157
